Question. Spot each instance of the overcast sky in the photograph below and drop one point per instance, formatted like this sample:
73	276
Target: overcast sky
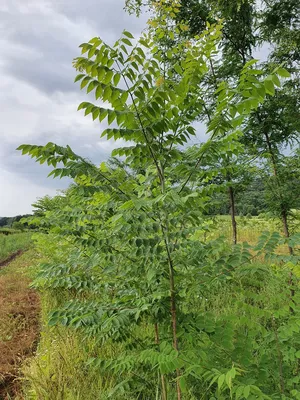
39	39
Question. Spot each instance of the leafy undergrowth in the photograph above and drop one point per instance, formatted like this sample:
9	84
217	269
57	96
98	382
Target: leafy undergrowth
239	335
12	243
19	321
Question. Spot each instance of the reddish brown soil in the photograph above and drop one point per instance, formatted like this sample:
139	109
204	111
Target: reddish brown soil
19	314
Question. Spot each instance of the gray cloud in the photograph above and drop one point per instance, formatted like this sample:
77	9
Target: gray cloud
38	99
46	35
108	17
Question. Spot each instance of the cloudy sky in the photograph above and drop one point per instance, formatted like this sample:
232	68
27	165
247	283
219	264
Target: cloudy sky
39	39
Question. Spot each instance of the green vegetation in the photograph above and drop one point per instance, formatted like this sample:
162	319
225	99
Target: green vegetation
145	294
233	321
8	231
13	242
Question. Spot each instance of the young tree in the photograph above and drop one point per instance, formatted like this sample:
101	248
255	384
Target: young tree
142	227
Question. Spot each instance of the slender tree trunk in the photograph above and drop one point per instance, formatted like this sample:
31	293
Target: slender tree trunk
283	216
164	395
283	210
279	356
286	229
173	310
291	251
174	323
232	213
164	227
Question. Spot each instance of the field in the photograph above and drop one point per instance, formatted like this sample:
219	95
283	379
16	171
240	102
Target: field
65	364
12	243
66	367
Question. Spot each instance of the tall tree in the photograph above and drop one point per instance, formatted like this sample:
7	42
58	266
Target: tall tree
247	25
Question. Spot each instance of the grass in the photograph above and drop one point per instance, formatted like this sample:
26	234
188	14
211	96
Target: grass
10	244
59	369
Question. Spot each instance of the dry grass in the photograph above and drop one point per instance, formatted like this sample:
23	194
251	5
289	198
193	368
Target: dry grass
250	229
19	322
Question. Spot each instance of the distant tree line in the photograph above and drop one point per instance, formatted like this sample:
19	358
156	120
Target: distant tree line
15	222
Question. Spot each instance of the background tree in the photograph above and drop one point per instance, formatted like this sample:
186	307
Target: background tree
247	25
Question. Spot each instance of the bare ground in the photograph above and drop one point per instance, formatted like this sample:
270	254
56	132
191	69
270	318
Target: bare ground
19	323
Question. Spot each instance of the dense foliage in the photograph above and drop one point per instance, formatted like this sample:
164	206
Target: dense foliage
14	222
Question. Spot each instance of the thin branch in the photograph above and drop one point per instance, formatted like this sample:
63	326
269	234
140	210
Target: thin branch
141	124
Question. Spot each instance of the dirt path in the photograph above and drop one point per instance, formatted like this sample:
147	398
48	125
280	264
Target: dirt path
19	322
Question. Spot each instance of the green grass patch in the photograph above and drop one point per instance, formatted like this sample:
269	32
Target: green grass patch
10	244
